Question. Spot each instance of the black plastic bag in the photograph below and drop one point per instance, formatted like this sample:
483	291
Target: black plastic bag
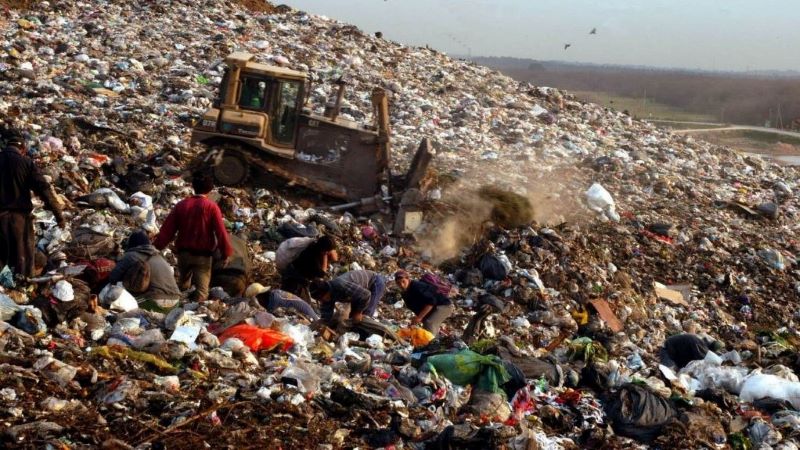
685	348
492	268
639	413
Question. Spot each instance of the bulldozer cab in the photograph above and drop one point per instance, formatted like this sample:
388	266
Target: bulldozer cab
266	101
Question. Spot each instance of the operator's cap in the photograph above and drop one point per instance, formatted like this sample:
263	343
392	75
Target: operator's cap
255	289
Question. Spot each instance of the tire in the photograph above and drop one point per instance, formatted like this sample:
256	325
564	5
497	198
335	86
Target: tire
231	168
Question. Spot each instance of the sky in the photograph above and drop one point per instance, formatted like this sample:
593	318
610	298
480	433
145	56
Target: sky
699	34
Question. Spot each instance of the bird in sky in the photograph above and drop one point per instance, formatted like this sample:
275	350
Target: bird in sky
566	46
594	31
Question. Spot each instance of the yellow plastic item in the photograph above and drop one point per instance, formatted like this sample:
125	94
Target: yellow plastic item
114	352
419	337
581	316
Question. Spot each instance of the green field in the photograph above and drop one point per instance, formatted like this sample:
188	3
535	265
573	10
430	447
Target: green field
640	108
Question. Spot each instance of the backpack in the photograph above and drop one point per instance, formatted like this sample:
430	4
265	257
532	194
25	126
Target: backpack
290	249
442	287
136	279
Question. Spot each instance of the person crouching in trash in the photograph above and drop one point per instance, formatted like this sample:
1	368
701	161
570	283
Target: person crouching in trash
431	307
362	289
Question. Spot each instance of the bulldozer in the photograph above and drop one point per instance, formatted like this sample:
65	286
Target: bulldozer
260	121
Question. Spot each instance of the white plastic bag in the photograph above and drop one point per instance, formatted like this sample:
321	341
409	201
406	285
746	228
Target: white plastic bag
600	201
117	298
762	385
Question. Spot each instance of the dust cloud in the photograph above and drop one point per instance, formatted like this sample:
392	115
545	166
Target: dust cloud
554	195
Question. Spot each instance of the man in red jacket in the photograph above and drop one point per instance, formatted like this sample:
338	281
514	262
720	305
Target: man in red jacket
200	229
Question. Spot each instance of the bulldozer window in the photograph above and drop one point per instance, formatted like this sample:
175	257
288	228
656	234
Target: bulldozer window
254	93
285	117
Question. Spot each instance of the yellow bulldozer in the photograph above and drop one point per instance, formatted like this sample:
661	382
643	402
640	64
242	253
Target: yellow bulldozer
260	122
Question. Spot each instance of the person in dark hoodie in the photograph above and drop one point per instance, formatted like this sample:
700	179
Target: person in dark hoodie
19	176
163	290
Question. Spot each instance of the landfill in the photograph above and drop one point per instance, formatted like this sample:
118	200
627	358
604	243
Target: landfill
649	301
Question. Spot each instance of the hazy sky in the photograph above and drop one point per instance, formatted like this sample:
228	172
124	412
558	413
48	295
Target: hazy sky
706	34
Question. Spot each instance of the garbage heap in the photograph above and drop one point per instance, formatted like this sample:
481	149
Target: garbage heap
649	303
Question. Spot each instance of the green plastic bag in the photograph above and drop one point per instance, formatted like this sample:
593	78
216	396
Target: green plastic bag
467	367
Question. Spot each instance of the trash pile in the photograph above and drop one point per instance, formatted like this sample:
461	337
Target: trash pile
648	304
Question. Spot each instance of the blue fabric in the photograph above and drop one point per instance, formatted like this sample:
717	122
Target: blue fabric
376	291
283	299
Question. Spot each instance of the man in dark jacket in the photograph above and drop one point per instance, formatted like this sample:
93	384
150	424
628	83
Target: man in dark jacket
163	290
19	176
431	307
197	221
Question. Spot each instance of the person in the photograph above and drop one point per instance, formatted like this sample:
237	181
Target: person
19	176
163	290
431	307
362	289
313	262
272	299
233	277
197	221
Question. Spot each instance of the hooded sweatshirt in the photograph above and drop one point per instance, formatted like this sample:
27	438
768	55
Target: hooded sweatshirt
162	278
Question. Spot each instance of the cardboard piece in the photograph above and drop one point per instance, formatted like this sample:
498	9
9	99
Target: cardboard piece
608	316
676	295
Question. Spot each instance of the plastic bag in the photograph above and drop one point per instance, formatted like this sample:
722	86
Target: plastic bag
7	308
307	375
7	278
638	413
492	267
419	337
117	298
29	320
600	201
258	338
762	385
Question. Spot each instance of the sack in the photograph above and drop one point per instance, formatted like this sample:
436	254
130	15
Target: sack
492	267
290	249
257	338
466	367
637	412
136	279
442	287
89	244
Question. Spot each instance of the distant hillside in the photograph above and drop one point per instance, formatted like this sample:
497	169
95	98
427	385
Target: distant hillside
755	97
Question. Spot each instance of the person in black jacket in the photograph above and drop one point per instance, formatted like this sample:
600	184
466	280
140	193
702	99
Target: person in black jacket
18	177
431	307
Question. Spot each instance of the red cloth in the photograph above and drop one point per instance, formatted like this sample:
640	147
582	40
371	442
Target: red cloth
198	223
